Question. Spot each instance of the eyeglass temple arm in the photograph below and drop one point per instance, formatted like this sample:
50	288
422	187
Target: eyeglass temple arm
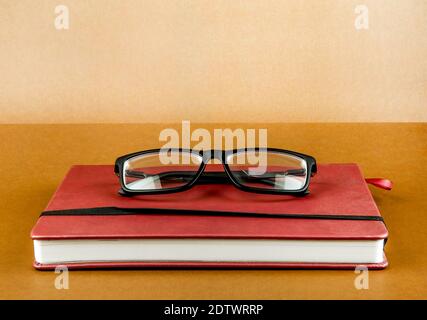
217	177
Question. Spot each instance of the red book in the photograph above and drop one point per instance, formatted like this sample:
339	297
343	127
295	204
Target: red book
87	224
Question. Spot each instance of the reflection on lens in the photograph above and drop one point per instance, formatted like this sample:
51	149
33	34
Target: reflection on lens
164	169
268	170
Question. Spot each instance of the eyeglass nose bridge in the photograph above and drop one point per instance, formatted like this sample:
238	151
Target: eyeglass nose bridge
212	154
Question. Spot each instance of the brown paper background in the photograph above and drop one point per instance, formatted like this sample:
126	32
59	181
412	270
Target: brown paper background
217	60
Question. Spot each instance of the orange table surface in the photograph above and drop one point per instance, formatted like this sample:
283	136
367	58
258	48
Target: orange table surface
34	159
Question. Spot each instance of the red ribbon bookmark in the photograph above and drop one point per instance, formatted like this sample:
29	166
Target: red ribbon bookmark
380	183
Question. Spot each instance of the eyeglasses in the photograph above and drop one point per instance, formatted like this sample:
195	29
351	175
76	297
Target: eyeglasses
261	170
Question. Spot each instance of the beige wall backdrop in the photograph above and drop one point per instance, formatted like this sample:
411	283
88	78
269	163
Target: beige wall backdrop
216	60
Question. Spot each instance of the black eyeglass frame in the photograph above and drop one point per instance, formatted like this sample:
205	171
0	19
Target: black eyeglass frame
221	155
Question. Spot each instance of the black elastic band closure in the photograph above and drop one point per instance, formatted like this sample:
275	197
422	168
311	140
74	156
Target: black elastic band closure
115	211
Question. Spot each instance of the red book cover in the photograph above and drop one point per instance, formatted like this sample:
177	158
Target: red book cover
339	207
